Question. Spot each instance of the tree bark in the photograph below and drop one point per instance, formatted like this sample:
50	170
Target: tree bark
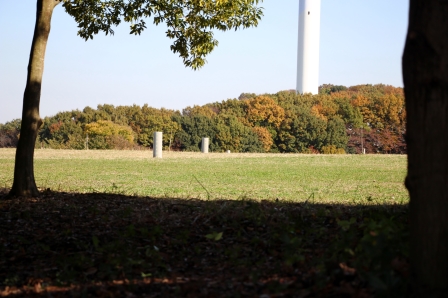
24	183
425	75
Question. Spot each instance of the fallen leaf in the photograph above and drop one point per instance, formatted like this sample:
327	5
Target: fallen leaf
90	271
347	270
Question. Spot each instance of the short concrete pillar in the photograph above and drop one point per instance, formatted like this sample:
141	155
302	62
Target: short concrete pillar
204	145
228	151
157	144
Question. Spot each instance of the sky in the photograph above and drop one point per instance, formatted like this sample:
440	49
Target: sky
361	43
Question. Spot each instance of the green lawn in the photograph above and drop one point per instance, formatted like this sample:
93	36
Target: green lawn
352	179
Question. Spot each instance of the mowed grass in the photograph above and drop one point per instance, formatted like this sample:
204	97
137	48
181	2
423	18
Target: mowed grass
347	179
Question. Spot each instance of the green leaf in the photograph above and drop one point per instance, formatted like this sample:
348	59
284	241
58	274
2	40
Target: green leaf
95	241
189	23
214	236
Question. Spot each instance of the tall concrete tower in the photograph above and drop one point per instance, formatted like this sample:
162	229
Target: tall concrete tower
308	49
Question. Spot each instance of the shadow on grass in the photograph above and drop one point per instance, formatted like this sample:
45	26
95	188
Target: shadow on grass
107	245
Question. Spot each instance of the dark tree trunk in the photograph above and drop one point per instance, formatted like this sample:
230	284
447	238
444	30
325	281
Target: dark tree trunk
24	184
425	74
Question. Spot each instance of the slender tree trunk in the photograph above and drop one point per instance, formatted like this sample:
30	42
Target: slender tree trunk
425	74
24	183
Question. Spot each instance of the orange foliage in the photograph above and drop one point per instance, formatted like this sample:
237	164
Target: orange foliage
343	94
317	110
264	136
360	101
393	90
55	127
264	109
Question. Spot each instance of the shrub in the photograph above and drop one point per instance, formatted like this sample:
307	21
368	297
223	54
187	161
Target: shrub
331	149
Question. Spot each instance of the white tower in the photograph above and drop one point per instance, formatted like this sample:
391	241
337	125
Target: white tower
308	49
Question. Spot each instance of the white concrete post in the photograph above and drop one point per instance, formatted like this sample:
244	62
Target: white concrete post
308	48
204	145
157	144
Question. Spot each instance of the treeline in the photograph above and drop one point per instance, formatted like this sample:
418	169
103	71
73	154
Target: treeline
338	120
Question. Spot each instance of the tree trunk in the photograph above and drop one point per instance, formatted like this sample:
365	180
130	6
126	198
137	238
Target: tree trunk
425	75
24	184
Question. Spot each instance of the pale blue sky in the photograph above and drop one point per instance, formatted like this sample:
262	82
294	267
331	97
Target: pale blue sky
361	43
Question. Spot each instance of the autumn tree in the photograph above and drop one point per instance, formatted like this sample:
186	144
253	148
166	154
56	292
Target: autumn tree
206	111
391	110
264	111
425	76
62	131
109	134
264	136
233	135
9	133
230	107
148	120
190	24
330	88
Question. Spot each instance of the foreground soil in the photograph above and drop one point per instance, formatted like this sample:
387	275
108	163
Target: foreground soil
106	245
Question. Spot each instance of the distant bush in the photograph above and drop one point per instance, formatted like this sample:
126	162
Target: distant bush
331	149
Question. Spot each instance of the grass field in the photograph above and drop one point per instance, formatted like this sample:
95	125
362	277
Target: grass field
349	179
352	242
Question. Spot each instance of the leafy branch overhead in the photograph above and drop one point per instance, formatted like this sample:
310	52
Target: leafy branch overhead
190	23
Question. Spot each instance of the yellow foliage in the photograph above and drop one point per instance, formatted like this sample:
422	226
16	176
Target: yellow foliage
264	109
108	129
331	149
390	108
316	110
369	116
